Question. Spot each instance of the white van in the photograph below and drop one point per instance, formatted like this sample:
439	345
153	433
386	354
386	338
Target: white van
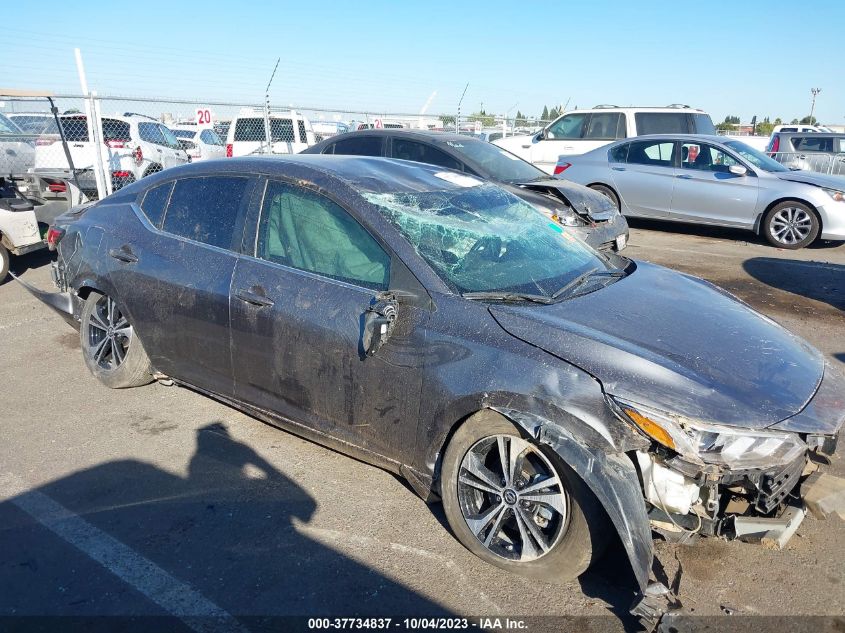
580	131
290	133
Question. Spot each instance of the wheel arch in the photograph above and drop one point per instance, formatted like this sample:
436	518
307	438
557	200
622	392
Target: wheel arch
613	191
610	475
758	222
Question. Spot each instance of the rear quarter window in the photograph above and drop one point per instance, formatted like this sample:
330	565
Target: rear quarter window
661	123
360	146
155	201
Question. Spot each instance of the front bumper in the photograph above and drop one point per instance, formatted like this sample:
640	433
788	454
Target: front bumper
833	220
605	236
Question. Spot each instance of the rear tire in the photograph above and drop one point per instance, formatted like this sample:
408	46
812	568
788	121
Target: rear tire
570	523
110	348
608	193
791	225
5	261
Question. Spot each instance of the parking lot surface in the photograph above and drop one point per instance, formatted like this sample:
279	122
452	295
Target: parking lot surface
158	500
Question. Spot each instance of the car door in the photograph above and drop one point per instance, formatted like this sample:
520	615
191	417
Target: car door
706	190
173	267
643	173
297	311
562	137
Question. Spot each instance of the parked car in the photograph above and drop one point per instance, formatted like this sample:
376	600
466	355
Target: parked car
289	134
799	128
29	204
326	129
823	152
438	327
133	147
708	180
17	154
199	143
584	212
580	131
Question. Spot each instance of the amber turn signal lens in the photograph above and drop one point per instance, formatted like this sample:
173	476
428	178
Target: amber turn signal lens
651	428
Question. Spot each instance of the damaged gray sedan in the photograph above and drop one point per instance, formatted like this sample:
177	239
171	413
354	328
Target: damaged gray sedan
439	327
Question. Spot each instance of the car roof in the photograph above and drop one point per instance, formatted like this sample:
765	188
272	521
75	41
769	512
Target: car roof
363	173
423	135
813	134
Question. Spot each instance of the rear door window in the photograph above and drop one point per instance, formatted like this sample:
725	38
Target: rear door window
405	149
206	209
661	123
360	146
654	153
302	229
619	154
603	126
151	133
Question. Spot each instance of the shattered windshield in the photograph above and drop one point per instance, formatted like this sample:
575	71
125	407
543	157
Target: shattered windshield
483	239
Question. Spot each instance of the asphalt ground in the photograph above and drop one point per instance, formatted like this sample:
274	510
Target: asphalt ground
157	502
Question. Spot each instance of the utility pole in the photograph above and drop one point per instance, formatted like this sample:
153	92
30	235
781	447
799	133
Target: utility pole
458	120
815	92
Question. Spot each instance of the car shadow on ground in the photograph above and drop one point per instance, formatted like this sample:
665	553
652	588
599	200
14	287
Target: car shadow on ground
228	530
715	232
609	579
820	281
35	259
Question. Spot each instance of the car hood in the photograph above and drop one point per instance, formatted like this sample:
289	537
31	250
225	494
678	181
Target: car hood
678	344
813	178
583	200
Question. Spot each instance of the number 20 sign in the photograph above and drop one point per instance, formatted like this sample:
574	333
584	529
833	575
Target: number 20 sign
203	116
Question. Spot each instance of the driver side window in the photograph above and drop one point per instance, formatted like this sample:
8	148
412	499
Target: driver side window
569	127
305	230
705	158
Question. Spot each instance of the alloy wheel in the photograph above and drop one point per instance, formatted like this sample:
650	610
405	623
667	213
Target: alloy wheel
512	498
109	334
791	225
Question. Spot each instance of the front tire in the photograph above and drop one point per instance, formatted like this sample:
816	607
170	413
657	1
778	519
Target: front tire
5	261
791	225
517	505
110	348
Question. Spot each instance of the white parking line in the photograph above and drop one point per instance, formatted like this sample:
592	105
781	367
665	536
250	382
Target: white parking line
174	596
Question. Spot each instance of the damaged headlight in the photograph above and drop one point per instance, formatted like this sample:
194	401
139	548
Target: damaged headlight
706	443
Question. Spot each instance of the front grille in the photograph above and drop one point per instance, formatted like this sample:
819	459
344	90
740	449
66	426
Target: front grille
775	486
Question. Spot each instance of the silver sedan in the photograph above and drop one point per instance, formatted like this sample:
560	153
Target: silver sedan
711	180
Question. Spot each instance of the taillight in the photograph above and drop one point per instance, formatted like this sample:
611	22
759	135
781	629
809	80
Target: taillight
139	155
228	150
775	145
57	187
116	143
54	236
562	167
121	174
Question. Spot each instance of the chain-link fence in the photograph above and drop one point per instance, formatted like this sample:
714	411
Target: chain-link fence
810	161
106	142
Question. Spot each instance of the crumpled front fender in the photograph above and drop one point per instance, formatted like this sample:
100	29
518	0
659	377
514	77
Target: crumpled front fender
611	477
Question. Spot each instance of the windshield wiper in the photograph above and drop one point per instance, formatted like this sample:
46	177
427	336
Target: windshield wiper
506	296
583	278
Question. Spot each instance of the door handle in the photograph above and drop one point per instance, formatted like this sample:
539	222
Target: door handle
684	176
123	254
526	147
618	168
254	298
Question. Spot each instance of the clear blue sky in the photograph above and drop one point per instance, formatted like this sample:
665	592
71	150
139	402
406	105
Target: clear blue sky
741	58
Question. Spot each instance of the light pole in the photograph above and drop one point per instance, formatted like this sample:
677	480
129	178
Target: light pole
815	92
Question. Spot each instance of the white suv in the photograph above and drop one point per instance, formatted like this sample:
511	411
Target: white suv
580	131
134	146
290	133
201	143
